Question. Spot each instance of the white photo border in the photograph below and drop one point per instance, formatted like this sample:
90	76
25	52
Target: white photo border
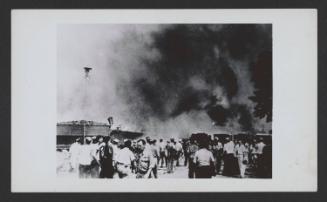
33	157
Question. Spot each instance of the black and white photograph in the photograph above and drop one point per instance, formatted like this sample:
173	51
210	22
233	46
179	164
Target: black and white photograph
214	100
164	101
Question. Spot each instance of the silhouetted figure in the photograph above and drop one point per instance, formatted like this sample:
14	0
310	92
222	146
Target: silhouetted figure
204	160
106	153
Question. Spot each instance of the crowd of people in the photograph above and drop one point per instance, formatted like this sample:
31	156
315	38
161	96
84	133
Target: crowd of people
106	157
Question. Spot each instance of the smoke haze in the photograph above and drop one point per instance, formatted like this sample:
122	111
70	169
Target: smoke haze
167	80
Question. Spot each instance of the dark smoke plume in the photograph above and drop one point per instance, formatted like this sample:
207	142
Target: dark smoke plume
222	70
167	80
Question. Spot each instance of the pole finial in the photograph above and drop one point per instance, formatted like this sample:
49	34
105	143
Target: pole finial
87	71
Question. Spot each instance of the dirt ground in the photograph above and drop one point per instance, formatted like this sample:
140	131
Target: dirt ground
64	169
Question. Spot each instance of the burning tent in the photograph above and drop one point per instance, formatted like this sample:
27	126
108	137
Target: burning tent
120	134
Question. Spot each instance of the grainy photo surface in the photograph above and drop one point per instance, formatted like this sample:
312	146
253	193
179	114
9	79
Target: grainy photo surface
164	101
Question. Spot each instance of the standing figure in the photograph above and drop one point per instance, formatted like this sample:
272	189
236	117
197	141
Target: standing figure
218	151
267	160
145	160
155	153
240	152
192	148
179	151
171	155
253	154
115	152
260	165
86	156
125	160
134	149
95	145
74	150
186	144
204	160
246	153
162	153
105	153
229	165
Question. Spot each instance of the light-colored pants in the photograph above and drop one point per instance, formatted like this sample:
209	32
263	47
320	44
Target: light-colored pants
242	166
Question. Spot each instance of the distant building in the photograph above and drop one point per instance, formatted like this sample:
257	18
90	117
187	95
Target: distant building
68	132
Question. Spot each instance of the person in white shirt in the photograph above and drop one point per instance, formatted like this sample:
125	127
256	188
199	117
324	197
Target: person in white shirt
229	165
260	147
162	153
229	146
86	156
247	151
240	152
74	152
179	151
204	161
125	160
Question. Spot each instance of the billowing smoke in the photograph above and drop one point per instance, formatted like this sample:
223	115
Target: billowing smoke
177	79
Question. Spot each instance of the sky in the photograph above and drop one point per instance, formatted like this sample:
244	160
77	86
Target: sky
163	79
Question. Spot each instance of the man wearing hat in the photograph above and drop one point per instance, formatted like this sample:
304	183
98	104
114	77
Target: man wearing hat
125	160
145	161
